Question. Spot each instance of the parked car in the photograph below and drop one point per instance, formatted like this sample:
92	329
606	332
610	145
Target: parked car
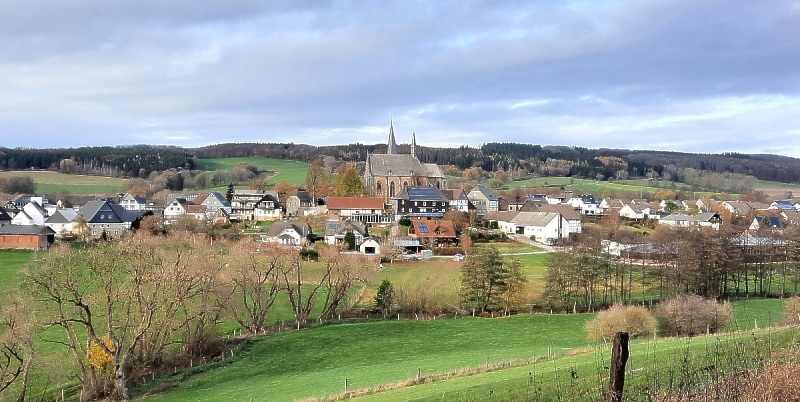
458	257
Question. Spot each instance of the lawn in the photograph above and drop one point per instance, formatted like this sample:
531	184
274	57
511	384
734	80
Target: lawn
598	187
316	361
52	182
285	170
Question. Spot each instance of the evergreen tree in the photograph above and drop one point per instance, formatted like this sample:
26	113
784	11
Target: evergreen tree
385	297
229	193
350	240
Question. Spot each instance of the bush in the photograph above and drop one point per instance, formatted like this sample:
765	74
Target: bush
791	311
692	315
309	254
635	320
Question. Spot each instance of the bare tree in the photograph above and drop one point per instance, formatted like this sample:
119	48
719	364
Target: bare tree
253	277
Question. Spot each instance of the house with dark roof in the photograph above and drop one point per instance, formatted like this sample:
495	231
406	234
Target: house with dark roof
255	205
107	217
212	200
300	203
30	237
703	219
335	231
288	233
420	202
133	203
175	209
585	204
569	214
768	221
458	200
484	200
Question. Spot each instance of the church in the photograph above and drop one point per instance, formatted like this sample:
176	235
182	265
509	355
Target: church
385	175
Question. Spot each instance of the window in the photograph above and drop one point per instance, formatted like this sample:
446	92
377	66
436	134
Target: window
391	189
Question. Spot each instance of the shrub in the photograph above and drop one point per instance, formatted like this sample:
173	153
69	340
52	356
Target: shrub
791	311
692	315
635	320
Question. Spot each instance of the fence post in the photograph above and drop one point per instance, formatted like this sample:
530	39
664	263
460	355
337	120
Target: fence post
619	357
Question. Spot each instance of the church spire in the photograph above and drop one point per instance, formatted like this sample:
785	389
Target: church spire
414	144
391	147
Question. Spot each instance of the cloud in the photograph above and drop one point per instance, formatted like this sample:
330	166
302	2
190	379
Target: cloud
678	74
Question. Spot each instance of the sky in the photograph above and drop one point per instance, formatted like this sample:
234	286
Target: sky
684	75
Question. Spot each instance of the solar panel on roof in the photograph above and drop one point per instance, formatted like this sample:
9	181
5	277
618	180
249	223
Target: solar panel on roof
423	227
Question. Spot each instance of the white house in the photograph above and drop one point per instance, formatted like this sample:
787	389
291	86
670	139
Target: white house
62	221
175	209
133	203
288	233
543	227
36	213
585	204
370	246
703	219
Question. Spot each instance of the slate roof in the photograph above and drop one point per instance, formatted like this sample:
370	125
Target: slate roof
486	193
333	228
421	193
62	216
455	194
433	170
303	195
395	165
300	227
4	216
25	230
99	211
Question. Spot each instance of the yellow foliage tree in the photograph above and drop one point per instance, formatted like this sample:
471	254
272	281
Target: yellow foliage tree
97	356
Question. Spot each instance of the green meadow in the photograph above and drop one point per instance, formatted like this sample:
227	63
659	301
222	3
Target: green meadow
54	182
285	170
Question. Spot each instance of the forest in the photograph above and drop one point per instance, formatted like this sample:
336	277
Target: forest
519	160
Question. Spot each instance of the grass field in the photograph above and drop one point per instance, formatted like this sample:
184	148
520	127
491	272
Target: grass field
52	182
291	171
315	361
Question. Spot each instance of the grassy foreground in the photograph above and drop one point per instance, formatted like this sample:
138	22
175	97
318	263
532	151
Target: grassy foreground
316	361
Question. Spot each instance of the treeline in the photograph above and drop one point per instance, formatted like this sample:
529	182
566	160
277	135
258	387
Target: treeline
120	161
673	261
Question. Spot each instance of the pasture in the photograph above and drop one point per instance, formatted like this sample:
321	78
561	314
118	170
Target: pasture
54	182
285	170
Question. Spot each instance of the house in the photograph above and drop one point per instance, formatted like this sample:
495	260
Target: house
544	227
199	212
706	205
175	209
703	219
434	232
300	203
107	217
420	202
484	200
335	231
212	200
35	214
221	217
782	205
636	212
585	204
363	209
32	237
458	200
62	221
255	205
766	222
612	203
133	203
288	233
5	218
11	209
370	246
22	219
572	217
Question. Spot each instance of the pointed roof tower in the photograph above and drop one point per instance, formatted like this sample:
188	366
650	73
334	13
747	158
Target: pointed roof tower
391	147
414	144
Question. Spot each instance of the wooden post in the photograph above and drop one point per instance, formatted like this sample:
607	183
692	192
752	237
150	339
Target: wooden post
419	373
619	357
345	385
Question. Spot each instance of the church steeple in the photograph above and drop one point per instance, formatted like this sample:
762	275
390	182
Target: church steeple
414	144
391	147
